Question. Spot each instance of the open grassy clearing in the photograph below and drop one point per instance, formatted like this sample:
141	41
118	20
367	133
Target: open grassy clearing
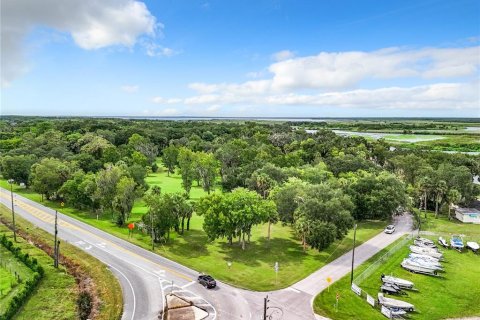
56	295
16	273
251	268
458	285
56	286
7	280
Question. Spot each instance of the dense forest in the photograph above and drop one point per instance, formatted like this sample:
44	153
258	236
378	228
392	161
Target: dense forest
253	172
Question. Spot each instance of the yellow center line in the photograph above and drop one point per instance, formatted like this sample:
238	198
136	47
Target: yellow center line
47	217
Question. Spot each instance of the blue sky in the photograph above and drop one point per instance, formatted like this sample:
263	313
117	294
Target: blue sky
241	58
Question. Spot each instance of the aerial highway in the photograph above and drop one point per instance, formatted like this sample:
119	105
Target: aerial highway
146	277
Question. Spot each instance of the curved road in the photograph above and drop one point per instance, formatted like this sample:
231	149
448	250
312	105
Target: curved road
145	276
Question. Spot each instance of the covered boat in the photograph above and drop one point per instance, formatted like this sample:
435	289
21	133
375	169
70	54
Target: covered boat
426	251
394	303
424	261
415	268
473	246
443	242
423	242
457	242
397	281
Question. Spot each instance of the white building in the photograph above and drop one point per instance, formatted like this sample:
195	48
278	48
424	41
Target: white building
468	215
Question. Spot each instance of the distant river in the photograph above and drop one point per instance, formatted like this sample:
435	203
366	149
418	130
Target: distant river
388	136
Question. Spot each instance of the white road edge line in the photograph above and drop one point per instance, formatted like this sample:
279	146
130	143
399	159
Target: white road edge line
131	287
188	284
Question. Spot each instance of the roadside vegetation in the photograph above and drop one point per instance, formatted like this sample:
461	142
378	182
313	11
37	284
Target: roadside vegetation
458	285
56	296
213	193
55	284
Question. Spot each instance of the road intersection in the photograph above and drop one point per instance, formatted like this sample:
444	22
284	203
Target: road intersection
145	277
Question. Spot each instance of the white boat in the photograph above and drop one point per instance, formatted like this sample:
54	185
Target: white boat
443	242
427	251
473	246
422	263
457	242
423	242
422	259
394	303
417	268
397	281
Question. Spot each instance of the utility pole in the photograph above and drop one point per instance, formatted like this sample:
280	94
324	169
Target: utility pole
353	251
58	252
11	181
151	230
55	250
265	301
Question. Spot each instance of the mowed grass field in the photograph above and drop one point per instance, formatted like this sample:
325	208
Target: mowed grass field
13	274
252	268
455	293
54	297
7	279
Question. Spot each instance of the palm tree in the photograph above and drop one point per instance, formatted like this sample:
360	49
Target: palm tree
453	197
425	187
439	190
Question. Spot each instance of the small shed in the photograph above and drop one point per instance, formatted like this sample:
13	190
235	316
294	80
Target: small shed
468	215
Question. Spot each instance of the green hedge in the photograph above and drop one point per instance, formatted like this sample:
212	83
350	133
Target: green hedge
17	301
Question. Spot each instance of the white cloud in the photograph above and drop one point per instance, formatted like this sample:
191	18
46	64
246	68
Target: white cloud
92	25
214	108
255	74
155	50
331	80
346	69
161	100
433	96
130	88
283	55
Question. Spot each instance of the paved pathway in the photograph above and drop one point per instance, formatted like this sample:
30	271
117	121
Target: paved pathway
316	282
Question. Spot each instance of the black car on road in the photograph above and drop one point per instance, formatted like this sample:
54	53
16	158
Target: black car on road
207	281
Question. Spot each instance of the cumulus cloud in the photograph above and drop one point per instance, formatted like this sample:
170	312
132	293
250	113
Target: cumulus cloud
283	55
346	70
433	96
92	25
130	88
335	70
332	79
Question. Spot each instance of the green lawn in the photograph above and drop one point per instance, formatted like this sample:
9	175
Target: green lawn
446	228
16	273
55	297
56	286
7	279
251	268
455	294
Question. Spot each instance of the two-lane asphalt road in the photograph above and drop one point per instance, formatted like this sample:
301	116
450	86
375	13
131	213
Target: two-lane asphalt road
145	277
